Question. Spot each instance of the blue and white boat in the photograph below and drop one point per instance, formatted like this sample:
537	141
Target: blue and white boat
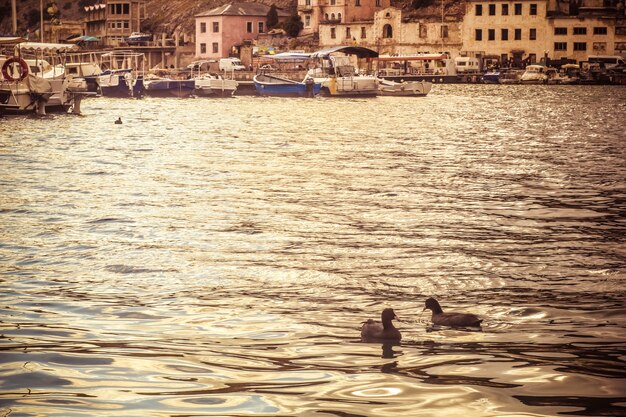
120	83
138	38
168	87
271	85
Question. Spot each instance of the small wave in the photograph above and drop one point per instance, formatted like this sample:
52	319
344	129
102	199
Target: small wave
127	269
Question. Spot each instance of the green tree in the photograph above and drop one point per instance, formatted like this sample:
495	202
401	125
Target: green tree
294	25
272	17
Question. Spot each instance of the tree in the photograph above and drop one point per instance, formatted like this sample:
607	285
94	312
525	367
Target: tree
272	17
294	25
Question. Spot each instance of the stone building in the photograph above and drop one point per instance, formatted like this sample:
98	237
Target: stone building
221	31
316	12
390	32
114	20
525	31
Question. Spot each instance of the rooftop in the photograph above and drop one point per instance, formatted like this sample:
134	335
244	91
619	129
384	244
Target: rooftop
241	9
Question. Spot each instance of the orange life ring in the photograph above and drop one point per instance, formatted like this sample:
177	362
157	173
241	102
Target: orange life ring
23	68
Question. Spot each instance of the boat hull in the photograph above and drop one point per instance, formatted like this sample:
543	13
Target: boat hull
169	88
270	86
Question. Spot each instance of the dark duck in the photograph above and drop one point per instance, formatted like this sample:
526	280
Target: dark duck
451	319
381	330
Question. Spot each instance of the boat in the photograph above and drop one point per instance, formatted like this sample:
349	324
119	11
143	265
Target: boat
272	85
168	87
35	80
212	85
138	38
511	76
534	74
491	77
434	68
404	89
122	74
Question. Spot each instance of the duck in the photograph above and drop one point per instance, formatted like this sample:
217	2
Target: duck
118	121
381	330
450	319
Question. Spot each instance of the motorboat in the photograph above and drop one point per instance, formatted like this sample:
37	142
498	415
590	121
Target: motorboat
534	74
272	85
122	74
435	68
138	38
212	85
510	76
339	76
35	80
168	87
404	89
491	77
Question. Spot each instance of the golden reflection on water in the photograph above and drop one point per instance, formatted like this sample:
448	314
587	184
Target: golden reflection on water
218	257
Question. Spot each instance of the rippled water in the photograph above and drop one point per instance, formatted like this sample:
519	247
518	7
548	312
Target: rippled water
218	256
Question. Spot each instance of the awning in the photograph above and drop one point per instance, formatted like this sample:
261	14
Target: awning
46	47
289	56
359	51
11	40
84	38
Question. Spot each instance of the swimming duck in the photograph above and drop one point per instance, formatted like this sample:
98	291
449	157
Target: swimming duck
381	330
451	319
118	121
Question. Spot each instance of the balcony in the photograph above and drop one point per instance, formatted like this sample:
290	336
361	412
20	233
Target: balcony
305	8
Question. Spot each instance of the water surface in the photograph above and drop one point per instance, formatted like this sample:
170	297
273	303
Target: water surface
216	257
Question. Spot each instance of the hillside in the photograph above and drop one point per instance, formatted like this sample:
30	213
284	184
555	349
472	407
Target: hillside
177	15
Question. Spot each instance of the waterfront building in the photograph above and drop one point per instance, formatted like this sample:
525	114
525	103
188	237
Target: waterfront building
114	20
391	32
221	31
328	12
526	31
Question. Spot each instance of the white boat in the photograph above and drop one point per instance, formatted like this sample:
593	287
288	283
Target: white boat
510	76
338	75
404	89
534	74
122	74
211	85
31	83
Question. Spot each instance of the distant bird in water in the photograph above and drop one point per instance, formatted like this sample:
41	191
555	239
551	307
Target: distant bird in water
118	121
383	330
451	319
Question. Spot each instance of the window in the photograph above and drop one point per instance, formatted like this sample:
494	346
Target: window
357	3
307	2
202	27
560	31
307	21
363	32
216	47
533	9
580	46
505	10
387	31
444	31
478	35
532	34
518	34
348	34
261	27
518	9
339	16
332	16
560	46
216	27
333	2
504	58
600	30
492	10
377	3
249	27
203	48
333	33
580	31
504	35
491	34
479	10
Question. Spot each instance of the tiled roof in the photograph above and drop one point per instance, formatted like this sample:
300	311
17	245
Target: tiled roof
241	9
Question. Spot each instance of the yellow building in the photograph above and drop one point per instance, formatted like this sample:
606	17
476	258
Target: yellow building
114	20
317	12
525	31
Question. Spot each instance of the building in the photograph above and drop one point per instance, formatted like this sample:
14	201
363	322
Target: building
114	20
526	31
221	31
317	12
389	32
